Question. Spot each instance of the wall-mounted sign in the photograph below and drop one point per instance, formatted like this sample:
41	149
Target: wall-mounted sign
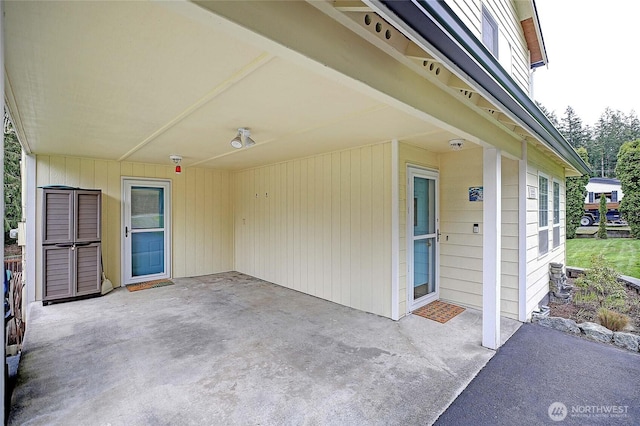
532	192
475	193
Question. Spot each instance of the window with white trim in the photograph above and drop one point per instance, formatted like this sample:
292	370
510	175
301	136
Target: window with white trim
489	32
556	214
543	214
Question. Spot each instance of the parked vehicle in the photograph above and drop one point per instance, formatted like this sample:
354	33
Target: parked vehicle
597	188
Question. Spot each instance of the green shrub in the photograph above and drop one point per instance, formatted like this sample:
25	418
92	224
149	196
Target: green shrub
614	321
600	284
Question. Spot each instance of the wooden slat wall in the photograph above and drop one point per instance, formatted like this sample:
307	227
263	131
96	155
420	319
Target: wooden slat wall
202	234
320	225
538	265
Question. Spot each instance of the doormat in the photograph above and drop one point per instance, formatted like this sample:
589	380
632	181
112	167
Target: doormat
438	311
149	284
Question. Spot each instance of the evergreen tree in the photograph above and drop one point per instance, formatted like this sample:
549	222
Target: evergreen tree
572	129
576	188
550	114
602	226
612	130
628	171
12	179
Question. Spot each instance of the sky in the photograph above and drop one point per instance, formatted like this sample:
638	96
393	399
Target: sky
594	61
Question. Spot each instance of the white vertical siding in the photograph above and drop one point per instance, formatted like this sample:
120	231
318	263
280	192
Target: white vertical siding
538	265
202	240
320	225
512	49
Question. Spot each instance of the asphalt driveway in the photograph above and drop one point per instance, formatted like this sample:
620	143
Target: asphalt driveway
543	376
231	349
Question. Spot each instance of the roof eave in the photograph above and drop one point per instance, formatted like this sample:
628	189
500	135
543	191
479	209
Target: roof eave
442	30
543	49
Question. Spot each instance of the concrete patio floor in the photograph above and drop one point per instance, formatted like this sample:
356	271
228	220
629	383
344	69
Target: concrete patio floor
232	349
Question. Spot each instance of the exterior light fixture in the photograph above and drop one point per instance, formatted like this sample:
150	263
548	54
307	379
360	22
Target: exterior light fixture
456	144
176	160
242	139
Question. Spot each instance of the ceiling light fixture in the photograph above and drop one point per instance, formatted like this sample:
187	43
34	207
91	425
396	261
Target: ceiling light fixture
176	160
456	144
243	139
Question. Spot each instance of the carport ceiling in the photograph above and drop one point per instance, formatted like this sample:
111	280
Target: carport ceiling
138	81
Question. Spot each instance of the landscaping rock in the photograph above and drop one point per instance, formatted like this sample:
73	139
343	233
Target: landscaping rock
626	340
596	332
557	323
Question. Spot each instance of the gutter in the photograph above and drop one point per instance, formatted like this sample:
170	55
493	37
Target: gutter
441	29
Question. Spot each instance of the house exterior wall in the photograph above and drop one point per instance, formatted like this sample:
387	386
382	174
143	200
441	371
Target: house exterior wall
513	53
320	225
460	248
538	264
202	239
509	285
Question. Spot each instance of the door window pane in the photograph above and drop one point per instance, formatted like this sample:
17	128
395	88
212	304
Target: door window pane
424	260
147	207
424	206
147	253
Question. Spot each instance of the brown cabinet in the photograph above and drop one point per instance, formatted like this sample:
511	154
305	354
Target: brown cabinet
71	247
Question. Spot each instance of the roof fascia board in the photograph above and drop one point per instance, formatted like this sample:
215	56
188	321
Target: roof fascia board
441	29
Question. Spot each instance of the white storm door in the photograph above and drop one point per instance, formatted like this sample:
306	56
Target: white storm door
422	237
146	230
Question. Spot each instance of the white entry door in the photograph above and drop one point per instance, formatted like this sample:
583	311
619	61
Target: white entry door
422	237
146	230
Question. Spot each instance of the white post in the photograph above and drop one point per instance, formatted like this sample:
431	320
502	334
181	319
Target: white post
491	248
395	233
30	231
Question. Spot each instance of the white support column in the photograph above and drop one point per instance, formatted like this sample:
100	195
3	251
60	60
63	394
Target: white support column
491	248
30	231
395	233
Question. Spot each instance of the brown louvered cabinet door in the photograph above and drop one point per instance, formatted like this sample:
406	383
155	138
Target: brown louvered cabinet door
71	247
58	211
87	215
57	264
87	269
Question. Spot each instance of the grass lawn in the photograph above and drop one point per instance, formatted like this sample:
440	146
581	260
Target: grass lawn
622	253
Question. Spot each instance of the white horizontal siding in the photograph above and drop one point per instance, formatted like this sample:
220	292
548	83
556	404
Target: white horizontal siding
537	264
510	228
460	283
513	53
